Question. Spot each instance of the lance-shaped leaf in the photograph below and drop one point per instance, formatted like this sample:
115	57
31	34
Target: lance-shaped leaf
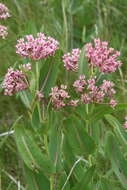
100	111
69	161
49	73
118	129
83	63
119	163
36	180
85	180
30	152
79	140
55	140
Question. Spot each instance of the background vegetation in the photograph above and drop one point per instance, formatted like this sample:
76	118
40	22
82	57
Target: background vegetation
73	23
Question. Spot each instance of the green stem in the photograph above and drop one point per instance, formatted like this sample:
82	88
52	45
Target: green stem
37	75
52	182
65	25
46	144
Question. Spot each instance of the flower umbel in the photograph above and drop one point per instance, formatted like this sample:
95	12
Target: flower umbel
37	48
71	60
4	11
59	96
14	82
90	92
3	31
103	57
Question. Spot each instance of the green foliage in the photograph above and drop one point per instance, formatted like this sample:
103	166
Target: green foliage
82	148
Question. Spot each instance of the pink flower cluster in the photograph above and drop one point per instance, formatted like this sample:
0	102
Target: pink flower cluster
99	55
39	95
4	12
14	81
37	48
3	31
71	60
25	67
90	92
59	96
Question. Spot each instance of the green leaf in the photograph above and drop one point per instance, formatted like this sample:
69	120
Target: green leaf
100	111
83	64
36	180
30	152
119	164
108	184
55	141
49	73
70	159
26	98
79	140
118	129
36	123
85	180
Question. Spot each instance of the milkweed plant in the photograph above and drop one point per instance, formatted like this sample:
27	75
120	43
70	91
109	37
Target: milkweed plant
69	137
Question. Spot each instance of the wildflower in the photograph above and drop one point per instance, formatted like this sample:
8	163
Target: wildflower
39	95
113	103
71	60
37	48
107	87
85	98
99	55
4	12
14	81
91	84
73	103
80	84
3	31
59	96
90	92
26	67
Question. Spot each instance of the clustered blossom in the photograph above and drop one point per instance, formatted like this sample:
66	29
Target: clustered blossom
80	84
37	48
4	12
26	67
14	81
3	31
59	96
103	57
71	60
125	124
39	95
91	92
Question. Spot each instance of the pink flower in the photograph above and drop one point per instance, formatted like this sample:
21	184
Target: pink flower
4	12
71	60
107	87
91	84
113	103
3	31
80	84
39	95
59	96
99	55
90	92
14	81
37	48
73	103
85	98
26	67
